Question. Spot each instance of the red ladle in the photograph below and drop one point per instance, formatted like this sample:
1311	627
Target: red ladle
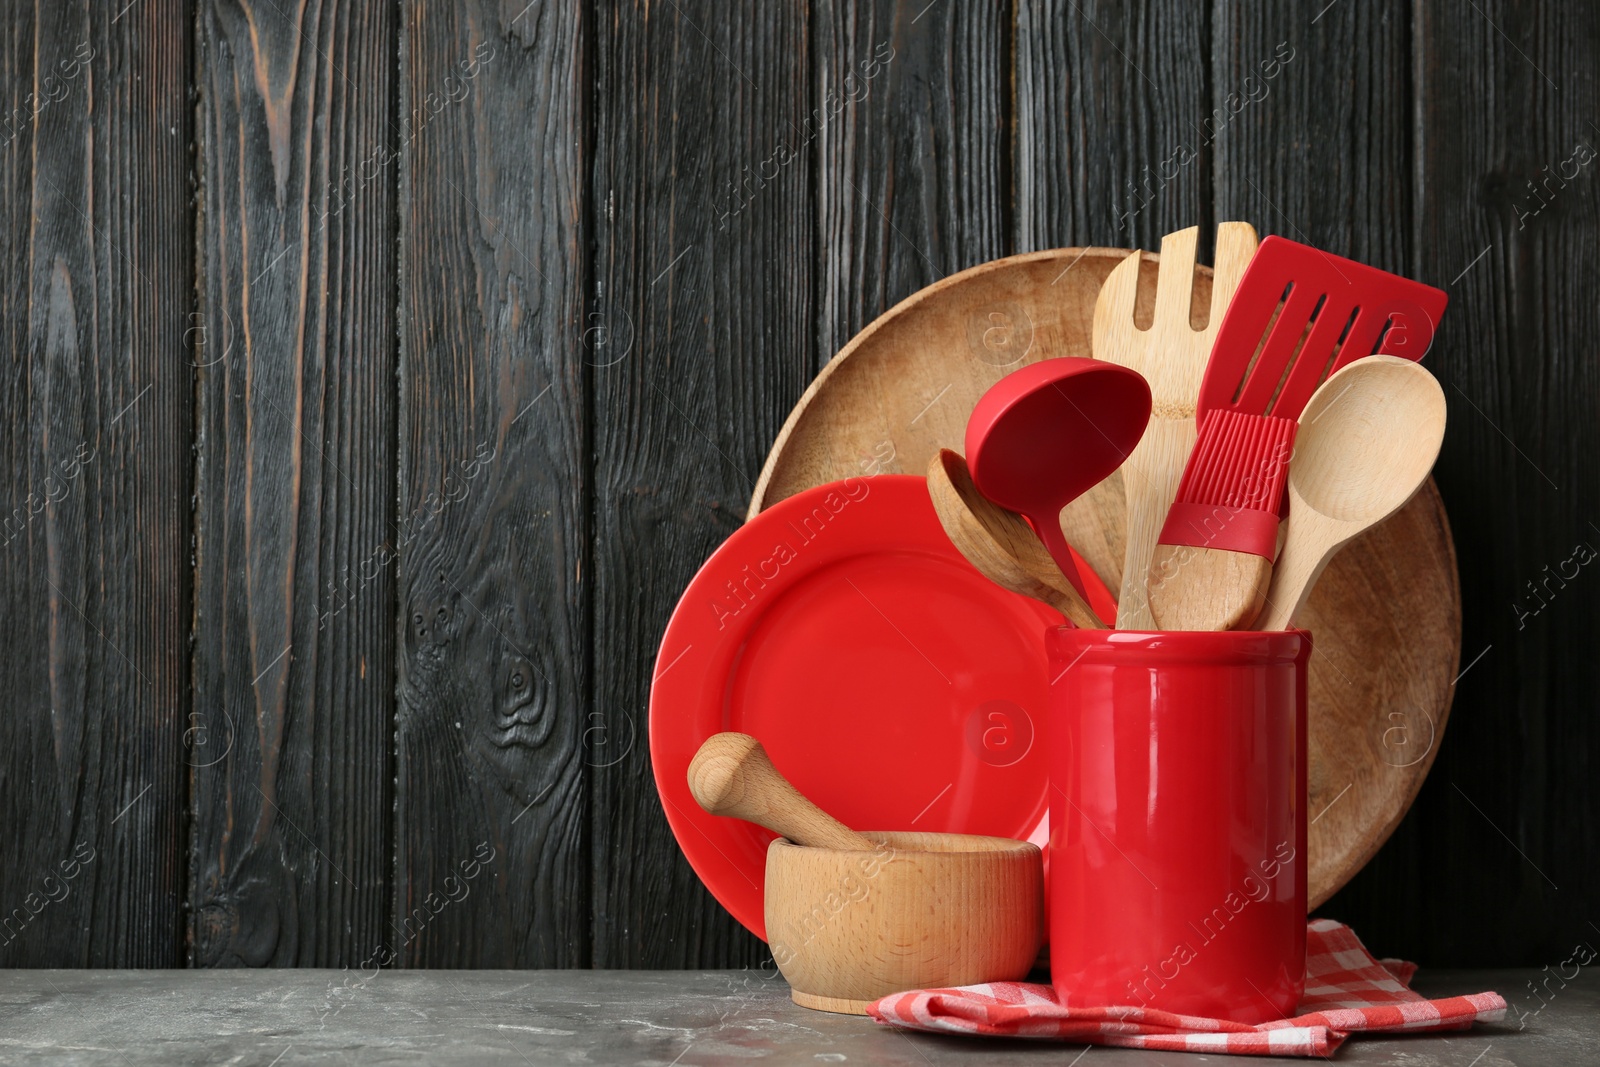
1044	435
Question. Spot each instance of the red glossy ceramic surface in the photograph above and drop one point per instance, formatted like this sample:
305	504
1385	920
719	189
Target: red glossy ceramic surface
1178	820
888	680
1044	435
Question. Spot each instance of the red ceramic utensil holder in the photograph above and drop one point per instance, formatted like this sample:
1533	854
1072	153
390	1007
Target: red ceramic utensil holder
1178	820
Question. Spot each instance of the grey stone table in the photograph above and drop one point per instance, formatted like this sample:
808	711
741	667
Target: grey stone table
666	1018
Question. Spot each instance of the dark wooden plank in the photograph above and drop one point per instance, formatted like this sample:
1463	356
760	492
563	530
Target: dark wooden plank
1506	217
491	833
1111	101
704	233
97	239
1310	125
293	659
912	175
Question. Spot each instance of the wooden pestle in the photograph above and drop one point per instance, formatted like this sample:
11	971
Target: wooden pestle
732	775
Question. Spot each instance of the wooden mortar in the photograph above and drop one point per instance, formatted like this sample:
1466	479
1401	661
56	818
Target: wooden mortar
853	917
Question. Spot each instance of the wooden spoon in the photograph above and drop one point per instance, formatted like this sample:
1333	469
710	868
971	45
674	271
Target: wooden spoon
1000	543
1368	438
731	775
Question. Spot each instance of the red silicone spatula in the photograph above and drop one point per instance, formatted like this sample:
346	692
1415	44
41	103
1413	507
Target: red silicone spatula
1351	309
1043	435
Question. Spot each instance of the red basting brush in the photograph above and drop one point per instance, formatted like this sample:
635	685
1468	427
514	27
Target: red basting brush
1213	561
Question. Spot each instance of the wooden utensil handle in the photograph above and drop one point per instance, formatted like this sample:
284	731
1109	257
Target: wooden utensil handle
1194	588
1306	554
731	775
1150	478
1000	543
1067	601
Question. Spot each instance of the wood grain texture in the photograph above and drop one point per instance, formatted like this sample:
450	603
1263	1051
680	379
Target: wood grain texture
618	251
1000	543
1108	98
1509	815
911	187
1198	588
1309	125
732	775
957	337
1370	436
490	835
911	179
703	225
97	238
921	911
1171	353
293	643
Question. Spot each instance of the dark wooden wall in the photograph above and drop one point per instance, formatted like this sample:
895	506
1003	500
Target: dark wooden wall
378	374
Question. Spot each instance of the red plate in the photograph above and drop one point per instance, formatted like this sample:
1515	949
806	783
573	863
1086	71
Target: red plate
890	681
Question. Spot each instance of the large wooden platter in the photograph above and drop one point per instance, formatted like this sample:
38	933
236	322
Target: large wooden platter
1385	618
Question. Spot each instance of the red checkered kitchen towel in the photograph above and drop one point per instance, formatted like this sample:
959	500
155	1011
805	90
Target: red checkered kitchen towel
1346	991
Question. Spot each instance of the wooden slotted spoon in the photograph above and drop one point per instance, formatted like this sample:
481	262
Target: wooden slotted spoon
1172	356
